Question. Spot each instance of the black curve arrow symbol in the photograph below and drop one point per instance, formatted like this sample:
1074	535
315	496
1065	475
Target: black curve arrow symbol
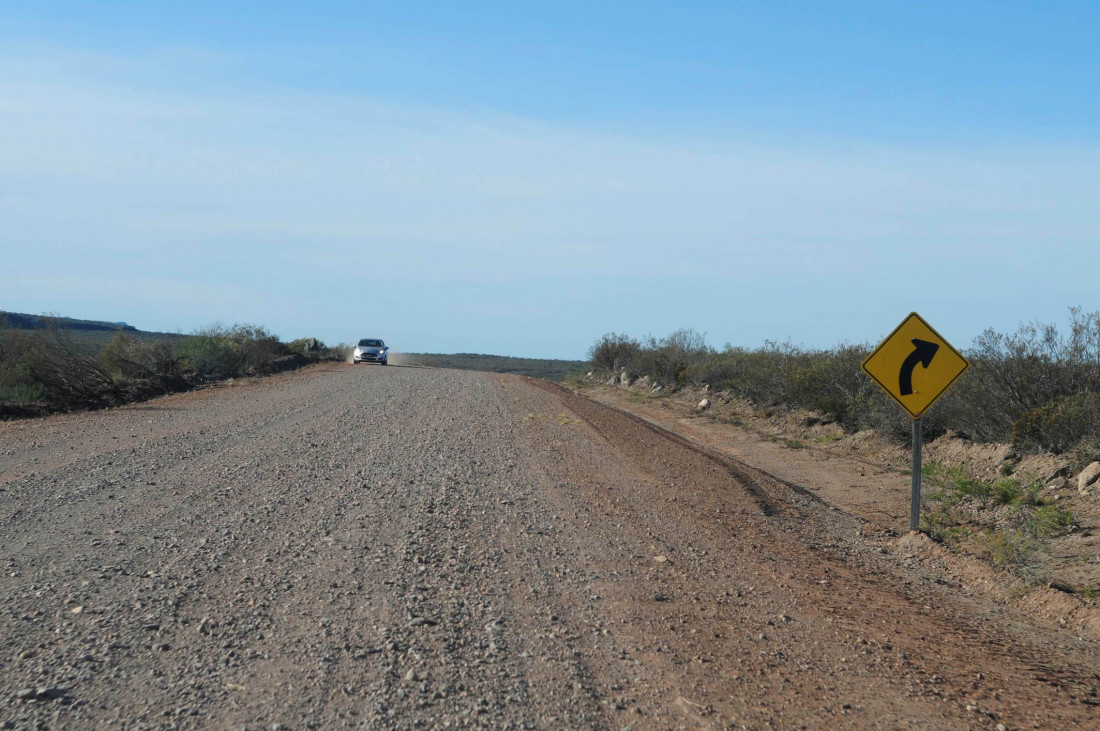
923	353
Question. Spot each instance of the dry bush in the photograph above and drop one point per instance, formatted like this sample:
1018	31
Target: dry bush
1032	385
1019	373
71	376
133	358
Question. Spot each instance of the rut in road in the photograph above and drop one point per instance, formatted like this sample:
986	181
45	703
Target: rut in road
399	547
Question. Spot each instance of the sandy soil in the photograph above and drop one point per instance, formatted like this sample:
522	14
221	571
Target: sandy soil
399	548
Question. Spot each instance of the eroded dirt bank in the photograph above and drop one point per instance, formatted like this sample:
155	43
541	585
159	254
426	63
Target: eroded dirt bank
396	547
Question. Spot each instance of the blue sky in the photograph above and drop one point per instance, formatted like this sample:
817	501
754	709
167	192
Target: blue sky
520	179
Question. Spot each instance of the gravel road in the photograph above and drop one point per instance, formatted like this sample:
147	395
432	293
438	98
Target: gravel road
401	547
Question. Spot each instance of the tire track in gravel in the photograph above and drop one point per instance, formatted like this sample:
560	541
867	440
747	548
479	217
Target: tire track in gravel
867	623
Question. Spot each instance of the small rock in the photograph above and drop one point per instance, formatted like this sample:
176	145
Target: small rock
49	694
26	694
412	675
704	404
660	597
422	622
77	610
1057	483
660	559
1088	476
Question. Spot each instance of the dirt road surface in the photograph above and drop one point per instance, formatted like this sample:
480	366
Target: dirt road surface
398	548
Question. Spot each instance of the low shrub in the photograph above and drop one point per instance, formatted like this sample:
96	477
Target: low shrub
1059	426
1038	386
212	356
1006	517
613	351
131	358
218	351
60	369
70	376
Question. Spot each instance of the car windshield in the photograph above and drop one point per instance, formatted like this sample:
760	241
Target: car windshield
371	344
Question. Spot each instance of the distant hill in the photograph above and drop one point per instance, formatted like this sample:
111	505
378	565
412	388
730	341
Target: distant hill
19	321
87	335
548	369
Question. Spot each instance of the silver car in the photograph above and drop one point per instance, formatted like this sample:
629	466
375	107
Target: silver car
371	350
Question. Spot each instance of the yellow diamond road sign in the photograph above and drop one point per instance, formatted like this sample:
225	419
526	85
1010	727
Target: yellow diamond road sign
915	365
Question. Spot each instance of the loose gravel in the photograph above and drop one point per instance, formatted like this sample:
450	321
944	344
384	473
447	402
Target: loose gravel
401	548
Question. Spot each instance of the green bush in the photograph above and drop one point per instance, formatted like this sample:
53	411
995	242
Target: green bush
1059	426
218	351
18	384
613	351
211	356
832	383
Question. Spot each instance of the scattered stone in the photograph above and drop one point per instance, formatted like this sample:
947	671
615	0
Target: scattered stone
77	610
658	597
26	694
422	622
660	559
1088	476
704	404
412	675
1057	483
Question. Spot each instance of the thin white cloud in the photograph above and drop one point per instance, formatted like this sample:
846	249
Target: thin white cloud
314	189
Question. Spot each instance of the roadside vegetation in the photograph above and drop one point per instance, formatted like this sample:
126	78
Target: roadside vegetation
1004	520
1037	388
49	366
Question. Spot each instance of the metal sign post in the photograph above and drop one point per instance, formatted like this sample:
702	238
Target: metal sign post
918	443
893	365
